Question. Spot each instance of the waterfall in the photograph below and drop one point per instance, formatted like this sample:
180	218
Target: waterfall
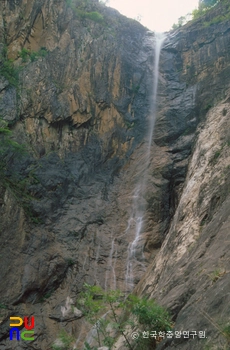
136	220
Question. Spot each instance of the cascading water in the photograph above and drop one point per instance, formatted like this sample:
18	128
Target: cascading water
136	220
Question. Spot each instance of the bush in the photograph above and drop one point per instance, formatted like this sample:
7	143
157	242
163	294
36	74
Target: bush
208	3
9	72
149	313
93	16
204	7
64	342
226	331
26	54
217	19
34	55
82	11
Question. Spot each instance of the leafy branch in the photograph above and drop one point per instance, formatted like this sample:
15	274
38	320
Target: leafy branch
113	309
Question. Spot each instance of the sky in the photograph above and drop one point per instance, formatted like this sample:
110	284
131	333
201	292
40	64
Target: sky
157	15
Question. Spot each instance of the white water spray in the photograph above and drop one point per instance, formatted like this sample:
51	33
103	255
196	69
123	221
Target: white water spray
136	220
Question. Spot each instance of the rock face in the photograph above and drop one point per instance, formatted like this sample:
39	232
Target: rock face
190	274
81	102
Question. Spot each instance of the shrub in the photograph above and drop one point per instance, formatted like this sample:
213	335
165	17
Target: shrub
93	16
24	54
64	342
226	331
82	11
149	313
204	7
9	72
34	55
217	19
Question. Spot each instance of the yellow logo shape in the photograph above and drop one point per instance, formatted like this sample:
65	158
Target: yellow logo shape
16	319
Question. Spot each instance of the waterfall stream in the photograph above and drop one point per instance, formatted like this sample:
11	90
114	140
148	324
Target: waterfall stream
136	220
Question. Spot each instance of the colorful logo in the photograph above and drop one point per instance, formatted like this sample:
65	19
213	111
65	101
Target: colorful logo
28	323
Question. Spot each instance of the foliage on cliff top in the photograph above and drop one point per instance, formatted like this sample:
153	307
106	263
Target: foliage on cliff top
204	8
85	9
97	12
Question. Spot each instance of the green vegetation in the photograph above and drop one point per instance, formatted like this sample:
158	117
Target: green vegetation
217	19
207	107
81	9
105	2
216	274
216	155
128	124
64	342
46	296
135	88
151	314
93	16
204	7
70	262
26	54
103	309
208	3
181	21
8	70
226	331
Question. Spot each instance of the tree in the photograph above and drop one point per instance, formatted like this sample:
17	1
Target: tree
204	6
207	3
112	313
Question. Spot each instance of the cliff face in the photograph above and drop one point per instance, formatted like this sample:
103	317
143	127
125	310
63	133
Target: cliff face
81	101
190	274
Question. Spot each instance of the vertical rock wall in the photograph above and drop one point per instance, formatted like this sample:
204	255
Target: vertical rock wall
81	102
